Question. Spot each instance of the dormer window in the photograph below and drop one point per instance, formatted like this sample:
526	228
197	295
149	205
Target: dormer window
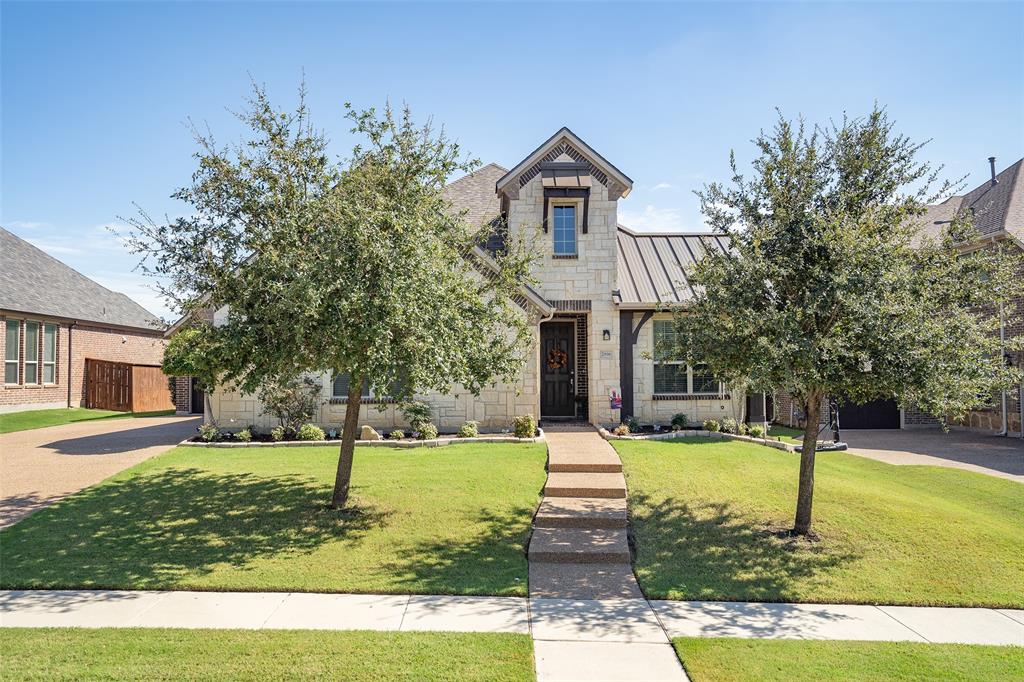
565	230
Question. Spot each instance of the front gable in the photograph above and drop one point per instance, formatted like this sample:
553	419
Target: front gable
567	150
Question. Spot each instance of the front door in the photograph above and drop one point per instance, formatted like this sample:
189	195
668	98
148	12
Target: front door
198	399
557	370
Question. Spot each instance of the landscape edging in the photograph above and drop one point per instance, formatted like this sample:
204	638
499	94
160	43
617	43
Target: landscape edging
431	443
691	433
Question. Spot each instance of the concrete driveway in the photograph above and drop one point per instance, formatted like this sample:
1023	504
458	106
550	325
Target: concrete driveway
40	466
992	455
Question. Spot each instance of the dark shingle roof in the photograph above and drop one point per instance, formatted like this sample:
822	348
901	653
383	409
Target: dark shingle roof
996	208
32	281
652	267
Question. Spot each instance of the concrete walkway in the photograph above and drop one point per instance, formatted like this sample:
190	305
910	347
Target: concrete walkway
603	628
588	618
40	466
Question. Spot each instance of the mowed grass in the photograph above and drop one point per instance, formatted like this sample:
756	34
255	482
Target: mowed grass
710	519
144	654
37	419
449	520
760	660
788	434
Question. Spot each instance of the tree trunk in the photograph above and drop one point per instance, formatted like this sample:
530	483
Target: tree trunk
805	495
348	443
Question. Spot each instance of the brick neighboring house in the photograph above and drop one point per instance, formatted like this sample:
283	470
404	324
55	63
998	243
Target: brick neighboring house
997	206
601	300
54	318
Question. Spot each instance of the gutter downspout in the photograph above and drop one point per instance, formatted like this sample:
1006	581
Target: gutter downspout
71	364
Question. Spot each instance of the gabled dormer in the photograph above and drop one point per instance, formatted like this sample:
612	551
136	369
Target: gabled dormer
566	194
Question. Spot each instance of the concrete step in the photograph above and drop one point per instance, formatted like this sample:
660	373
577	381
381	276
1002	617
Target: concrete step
562	484
579	545
581	512
583	581
592	460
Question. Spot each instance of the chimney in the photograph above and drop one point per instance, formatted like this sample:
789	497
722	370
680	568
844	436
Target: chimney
992	165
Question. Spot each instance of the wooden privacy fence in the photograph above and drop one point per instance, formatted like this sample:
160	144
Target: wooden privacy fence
125	387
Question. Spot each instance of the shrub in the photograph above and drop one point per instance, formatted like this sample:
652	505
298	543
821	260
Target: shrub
757	430
729	425
245	435
621	430
277	433
744	429
469	430
711	425
427	431
417	414
209	433
679	421
632	423
525	426
310	432
397	434
293	401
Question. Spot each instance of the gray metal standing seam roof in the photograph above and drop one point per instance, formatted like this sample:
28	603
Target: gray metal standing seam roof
652	267
32	281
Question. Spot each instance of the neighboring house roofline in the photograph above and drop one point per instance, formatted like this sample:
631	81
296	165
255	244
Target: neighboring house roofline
585	148
35	282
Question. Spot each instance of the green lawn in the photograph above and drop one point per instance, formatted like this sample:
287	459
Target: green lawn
37	419
761	660
709	517
788	434
449	520
143	654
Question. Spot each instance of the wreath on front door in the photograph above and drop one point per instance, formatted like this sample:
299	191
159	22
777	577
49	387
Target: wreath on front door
557	358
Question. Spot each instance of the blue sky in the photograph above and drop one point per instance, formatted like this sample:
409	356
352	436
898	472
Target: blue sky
95	96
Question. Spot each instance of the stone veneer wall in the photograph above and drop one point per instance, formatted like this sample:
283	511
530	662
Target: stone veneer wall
590	276
650	411
494	408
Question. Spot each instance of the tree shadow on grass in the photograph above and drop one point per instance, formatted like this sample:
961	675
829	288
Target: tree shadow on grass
153	530
490	562
710	551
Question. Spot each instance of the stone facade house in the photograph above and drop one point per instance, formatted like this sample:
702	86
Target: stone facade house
55	321
997	208
598	306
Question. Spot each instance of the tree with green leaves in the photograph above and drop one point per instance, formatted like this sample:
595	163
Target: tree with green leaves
827	293
357	267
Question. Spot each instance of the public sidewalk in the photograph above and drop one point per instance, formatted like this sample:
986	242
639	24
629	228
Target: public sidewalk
626	621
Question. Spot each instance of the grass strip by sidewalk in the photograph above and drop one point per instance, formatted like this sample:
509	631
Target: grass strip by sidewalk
448	520
38	419
710	517
165	654
761	660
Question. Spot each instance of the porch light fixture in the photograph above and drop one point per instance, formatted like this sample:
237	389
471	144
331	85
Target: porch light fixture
606	334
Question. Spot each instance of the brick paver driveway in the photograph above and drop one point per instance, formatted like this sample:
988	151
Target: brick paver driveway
993	455
40	466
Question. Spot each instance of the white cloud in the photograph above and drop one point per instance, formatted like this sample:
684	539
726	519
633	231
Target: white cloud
661	185
653	219
52	248
25	225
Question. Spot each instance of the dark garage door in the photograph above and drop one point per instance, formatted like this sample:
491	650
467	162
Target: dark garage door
877	414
